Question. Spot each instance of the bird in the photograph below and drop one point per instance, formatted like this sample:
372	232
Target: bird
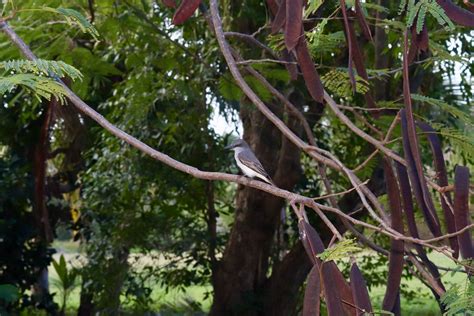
248	162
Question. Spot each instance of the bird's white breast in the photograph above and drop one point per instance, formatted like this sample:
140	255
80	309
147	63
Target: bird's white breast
246	170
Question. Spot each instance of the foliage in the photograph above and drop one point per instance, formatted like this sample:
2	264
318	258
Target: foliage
43	67
337	82
73	17
27	256
460	114
67	279
38	86
419	11
340	250
459	299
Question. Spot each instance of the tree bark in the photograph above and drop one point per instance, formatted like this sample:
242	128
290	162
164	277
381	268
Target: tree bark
243	268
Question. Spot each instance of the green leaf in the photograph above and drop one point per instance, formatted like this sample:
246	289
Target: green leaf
340	250
338	82
41	87
259	88
459	299
454	111
312	7
412	12
73	17
42	67
9	293
228	89
421	19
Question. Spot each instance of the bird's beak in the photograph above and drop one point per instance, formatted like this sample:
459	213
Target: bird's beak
229	147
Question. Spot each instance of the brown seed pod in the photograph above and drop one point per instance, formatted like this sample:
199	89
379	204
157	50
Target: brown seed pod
312	302
457	14
332	293
185	10
273	6
280	18
442	176
359	291
362	22
358	59
310	75
461	210
395	263
169	3
407	206
418	180
291	68
294	23
311	240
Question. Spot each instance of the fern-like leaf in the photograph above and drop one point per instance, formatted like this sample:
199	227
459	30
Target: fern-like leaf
320	43
459	300
340	250
402	6
427	6
412	12
73	17
442	53
458	139
43	67
41	87
337	81
438	13
454	111
420	21
312	7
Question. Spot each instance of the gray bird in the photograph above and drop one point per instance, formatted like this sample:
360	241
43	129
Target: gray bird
248	162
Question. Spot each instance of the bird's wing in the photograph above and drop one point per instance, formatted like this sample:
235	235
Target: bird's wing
248	159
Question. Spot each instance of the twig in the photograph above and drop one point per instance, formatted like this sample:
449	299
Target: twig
252	40
323	197
264	60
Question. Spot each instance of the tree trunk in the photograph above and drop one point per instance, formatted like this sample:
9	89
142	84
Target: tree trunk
243	268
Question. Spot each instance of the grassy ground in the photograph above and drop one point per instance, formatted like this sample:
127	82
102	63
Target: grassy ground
424	305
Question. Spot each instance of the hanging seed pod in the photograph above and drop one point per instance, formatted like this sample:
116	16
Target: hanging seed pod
425	204
412	151
170	3
359	291
280	18
290	65
461	210
362	22
395	263
294	23
311	241
273	6
312	302
407	206
442	176
457	14
331	291
310	75
185	10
